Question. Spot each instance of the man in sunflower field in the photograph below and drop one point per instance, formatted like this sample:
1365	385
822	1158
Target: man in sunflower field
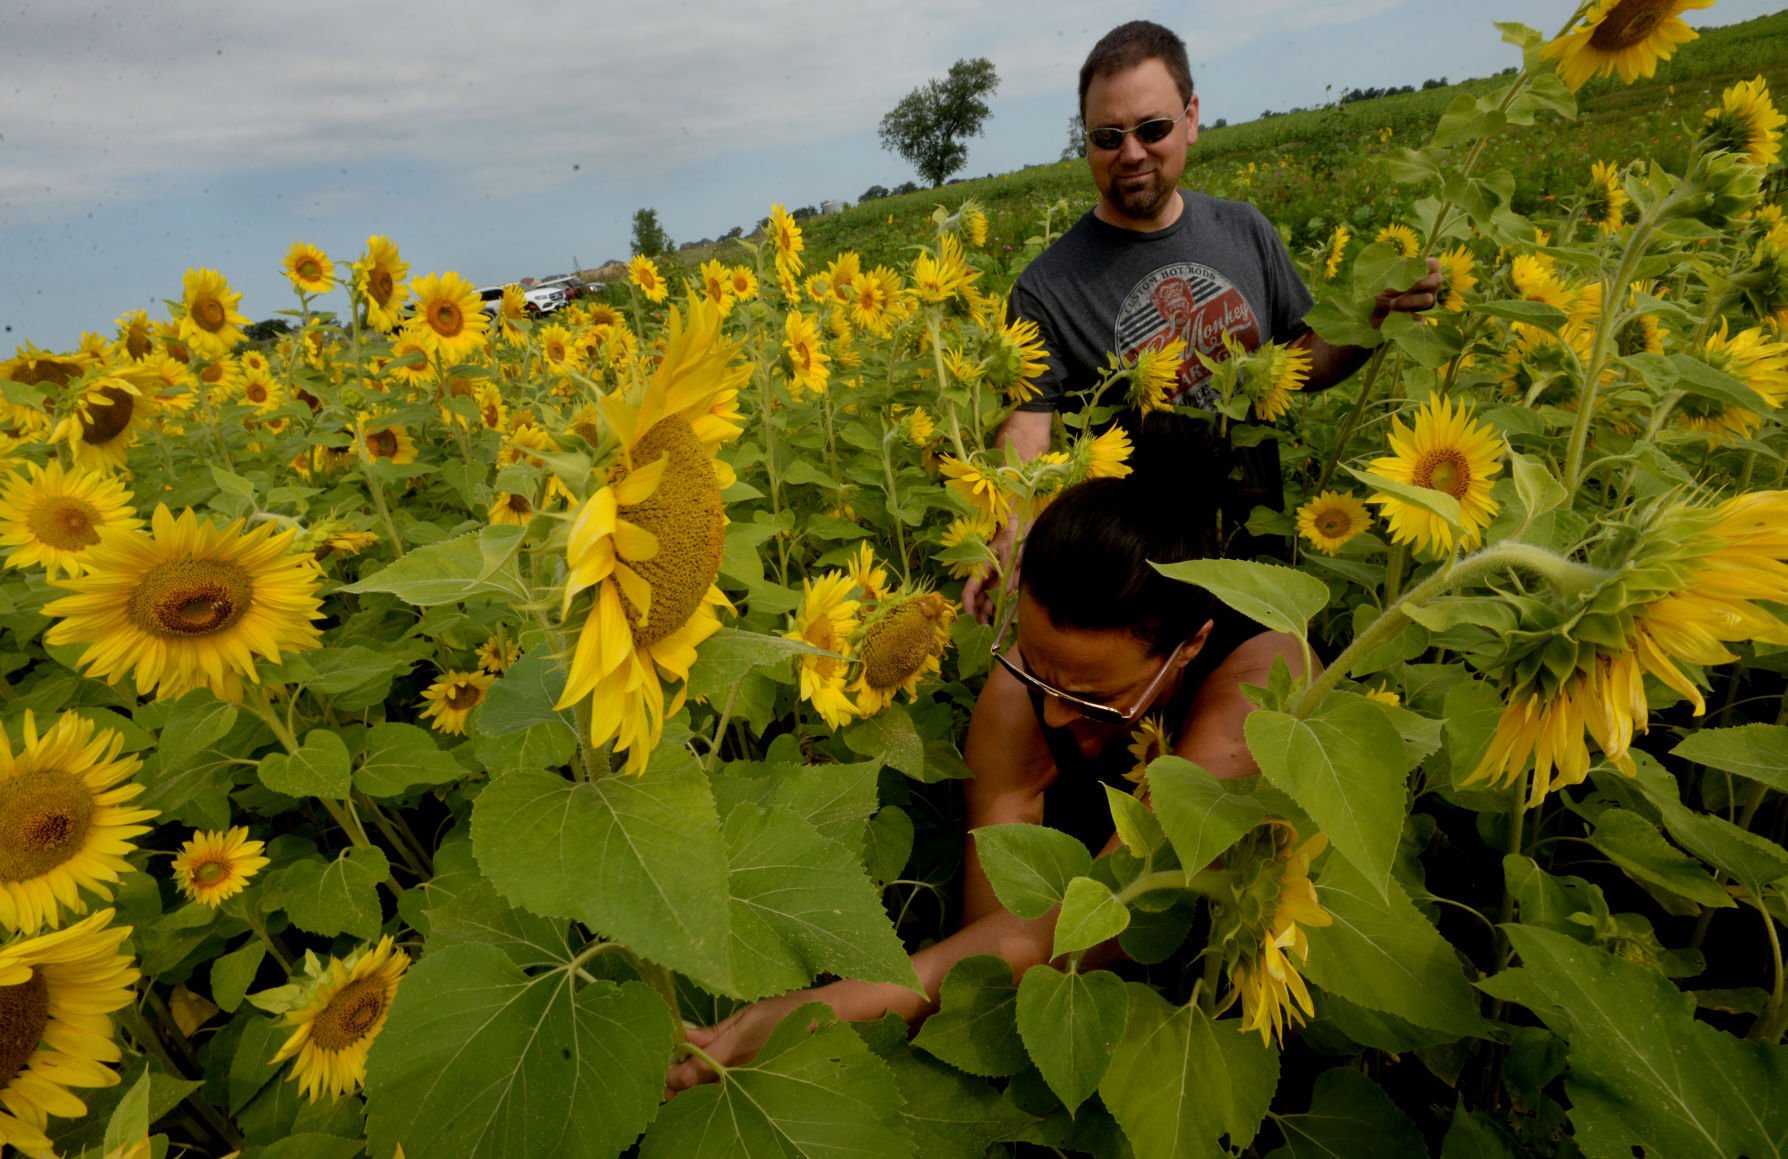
1152	264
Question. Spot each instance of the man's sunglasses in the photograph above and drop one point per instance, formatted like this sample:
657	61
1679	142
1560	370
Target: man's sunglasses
1110	137
1093	710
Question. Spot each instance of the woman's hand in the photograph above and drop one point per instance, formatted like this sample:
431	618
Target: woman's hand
734	1042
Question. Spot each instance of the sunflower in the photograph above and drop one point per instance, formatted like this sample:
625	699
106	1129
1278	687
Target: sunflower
105	422
1628	35
163	381
1404	238
1456	267
1271	375
1383	694
188	605
1015	359
511	508
345	1006
742	283
941	277
842	275
981	491
1447	452
872	301
1717	420
1155	376
377	440
649	540
871	580
450	321
497	654
1746	121
379	277
135	337
512	313
65	820
807	368
826	619
1103	456
1751	358
211	324
51	516
786	236
717	285
918	428
56	994
213	867
1334	250
899	646
221	377
309	269
1331	519
263	393
453	697
642	271
970	530
1605	205
1148	742
1270	872
1535	278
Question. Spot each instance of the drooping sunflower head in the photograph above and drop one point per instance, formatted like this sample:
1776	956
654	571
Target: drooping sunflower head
1626	35
136	338
1334	251
1605	205
188	605
57	992
497	654
343	1009
1014	358
213	867
105	421
450	321
212	324
66	822
51	517
309	269
1752	358
1331	520
1260	925
1148	741
1456	271
1155	375
452	698
1102	456
1747	122
898	646
1271	374
1445	451
982	490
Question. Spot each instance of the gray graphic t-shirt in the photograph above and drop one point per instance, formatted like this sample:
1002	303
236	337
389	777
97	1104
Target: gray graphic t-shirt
1218	268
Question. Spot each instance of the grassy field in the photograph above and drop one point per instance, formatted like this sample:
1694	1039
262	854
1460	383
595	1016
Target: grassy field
1308	171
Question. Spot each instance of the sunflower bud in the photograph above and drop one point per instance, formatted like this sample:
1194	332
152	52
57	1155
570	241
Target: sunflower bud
1719	189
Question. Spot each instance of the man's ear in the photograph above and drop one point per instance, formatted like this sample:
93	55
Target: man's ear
1192	123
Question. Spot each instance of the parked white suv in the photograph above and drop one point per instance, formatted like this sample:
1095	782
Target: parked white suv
538	299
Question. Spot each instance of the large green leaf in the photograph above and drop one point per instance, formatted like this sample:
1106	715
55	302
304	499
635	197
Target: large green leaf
1757	751
802	906
398	757
1179	1083
1069	1023
1634	844
891	737
1645	1077
1344	764
478	1059
1202	815
444	573
729	655
1349	1115
1435	502
461	907
318	769
1091	913
835	799
637	859
1281	598
951	1115
814	1092
1753	861
1030	866
1137	827
975	1028
336	897
1381	953
524	698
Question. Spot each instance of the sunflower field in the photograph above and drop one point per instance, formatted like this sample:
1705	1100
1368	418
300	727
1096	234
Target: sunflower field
415	729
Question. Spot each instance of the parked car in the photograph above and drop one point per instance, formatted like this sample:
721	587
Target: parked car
573	286
539	299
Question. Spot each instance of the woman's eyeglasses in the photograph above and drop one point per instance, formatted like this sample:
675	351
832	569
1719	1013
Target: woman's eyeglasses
1093	710
1110	137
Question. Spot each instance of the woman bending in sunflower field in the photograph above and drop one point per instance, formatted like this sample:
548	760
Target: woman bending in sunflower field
1111	665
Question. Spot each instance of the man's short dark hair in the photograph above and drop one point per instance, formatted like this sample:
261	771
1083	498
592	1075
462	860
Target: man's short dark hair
1128	45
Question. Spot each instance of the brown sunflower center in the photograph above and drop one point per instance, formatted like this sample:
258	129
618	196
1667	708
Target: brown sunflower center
685	514
1630	22
351	1015
895	647
1444	470
65	523
380	286
44	818
464	697
209	872
1334	523
191	597
138	344
309	270
24	1013
209	314
444	318
255	392
520	504
49	370
382	444
212	374
103	423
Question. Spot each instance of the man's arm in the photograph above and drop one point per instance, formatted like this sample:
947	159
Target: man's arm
1331	365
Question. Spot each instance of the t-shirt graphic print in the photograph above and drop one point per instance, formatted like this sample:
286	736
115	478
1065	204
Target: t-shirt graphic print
1193	302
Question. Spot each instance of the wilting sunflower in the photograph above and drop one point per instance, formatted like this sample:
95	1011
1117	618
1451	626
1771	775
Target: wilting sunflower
450	321
65	820
826	619
105	422
807	360
1746	121
213	867
980	491
51	516
1447	452
1271	374
57	992
1404	238
379	277
188	605
345	1006
898	646
1270	876
1457	277
785	234
650	539
642	271
452	698
211	324
1334	250
309	268
1331	519
1155	376
1015	358
1605	205
1628	35
497	654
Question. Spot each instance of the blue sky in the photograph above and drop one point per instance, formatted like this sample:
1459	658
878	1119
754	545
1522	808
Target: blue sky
512	140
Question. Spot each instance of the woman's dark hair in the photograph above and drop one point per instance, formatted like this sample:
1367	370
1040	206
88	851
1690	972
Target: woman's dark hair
1086	559
1128	45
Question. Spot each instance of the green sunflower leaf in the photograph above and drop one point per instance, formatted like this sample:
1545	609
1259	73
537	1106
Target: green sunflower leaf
1070	1023
975	1028
1280	598
1030	866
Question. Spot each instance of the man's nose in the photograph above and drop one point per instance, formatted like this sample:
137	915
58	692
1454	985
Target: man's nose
1056	714
1132	150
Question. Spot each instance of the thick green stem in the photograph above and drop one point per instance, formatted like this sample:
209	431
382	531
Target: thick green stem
1774	1019
1608	321
1353	419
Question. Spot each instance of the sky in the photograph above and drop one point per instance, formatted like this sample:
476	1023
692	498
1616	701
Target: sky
514	140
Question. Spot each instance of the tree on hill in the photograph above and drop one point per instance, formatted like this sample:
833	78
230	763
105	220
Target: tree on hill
931	124
649	237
